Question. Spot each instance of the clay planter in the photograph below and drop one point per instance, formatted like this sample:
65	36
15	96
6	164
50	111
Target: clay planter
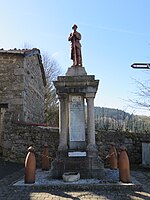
30	166
45	158
113	157
124	166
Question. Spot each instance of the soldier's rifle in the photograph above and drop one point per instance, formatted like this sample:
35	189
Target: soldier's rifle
74	47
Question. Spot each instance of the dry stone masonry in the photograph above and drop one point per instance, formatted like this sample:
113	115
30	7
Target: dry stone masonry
18	137
22	85
22	82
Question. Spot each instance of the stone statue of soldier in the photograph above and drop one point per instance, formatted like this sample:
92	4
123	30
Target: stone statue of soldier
75	38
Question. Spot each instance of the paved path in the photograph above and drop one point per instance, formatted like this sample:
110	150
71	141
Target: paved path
9	192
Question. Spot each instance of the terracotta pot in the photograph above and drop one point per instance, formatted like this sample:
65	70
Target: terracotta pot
45	158
113	161
30	166
124	166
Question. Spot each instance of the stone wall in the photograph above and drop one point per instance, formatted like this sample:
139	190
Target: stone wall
22	85
22	81
132	141
33	93
18	137
11	84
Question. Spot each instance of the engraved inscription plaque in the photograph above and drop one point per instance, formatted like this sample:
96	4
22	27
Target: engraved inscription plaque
76	118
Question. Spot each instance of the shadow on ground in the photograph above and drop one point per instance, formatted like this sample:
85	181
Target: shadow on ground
7	168
42	194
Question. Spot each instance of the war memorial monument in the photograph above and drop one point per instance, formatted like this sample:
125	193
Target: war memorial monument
77	151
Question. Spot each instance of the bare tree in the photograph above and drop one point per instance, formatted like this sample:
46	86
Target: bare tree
52	70
142	96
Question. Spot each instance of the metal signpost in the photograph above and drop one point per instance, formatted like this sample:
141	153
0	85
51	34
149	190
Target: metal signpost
141	65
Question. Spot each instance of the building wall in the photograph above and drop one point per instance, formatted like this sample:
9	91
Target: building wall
22	87
11	87
33	93
11	83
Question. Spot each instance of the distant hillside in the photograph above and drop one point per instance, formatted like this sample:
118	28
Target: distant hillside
110	118
110	112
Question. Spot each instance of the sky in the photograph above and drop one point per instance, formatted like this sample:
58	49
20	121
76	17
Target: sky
115	34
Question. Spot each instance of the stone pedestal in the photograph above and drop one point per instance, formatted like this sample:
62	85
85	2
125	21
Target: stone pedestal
76	71
88	166
76	152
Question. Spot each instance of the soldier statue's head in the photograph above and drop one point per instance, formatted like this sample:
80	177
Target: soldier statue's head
74	27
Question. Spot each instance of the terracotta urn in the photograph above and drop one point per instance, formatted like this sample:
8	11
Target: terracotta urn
30	166
45	158
124	166
113	161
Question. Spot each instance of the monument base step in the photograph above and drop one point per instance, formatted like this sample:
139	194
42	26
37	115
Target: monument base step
109	183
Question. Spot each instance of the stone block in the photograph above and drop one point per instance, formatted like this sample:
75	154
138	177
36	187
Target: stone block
146	154
76	71
71	176
7	144
19	71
